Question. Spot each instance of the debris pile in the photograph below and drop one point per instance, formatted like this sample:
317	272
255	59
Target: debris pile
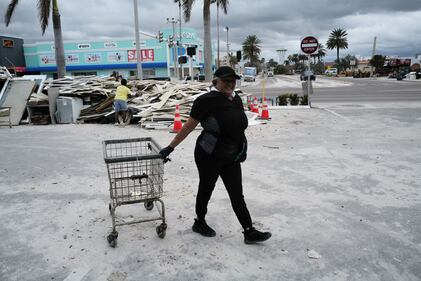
153	105
90	99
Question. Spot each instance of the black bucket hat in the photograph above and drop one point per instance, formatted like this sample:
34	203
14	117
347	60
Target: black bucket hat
225	72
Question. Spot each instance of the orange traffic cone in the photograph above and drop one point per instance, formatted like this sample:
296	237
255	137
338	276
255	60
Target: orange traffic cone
177	120
255	107
265	111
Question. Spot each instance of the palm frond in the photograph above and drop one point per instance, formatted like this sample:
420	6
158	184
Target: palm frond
187	7
44	13
223	4
9	11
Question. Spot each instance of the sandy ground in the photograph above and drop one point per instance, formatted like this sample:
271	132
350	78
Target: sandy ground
341	184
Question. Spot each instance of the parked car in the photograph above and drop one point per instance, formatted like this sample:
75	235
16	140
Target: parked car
305	74
331	72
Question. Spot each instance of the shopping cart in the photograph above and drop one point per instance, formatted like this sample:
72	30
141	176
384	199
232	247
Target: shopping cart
135	171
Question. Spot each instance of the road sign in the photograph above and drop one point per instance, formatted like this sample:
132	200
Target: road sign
309	45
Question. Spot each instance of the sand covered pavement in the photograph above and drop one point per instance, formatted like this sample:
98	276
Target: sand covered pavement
338	187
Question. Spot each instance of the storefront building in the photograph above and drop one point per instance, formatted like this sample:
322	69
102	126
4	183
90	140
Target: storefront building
103	57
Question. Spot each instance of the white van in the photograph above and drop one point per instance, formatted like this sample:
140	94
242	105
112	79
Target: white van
331	71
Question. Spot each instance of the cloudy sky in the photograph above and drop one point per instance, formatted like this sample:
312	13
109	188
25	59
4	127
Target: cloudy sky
279	24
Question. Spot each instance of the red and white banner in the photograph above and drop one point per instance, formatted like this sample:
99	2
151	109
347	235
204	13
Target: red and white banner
146	55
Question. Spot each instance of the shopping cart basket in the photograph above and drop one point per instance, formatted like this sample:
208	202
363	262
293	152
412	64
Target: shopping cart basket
135	171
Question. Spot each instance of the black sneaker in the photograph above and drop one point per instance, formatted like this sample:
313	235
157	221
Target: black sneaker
252	236
202	228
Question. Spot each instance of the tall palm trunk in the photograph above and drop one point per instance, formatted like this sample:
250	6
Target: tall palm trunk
337	54
58	42
207	40
217	29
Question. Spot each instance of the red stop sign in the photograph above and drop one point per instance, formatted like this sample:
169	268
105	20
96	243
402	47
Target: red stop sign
309	45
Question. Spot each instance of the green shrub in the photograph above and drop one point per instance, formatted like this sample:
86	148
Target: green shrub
294	99
280	69
304	100
283	99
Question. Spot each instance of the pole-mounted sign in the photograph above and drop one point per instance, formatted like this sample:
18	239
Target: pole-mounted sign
309	45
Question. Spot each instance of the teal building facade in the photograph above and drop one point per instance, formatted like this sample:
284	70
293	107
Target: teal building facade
103	57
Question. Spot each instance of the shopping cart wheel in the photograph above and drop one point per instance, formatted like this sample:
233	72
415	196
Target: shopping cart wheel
148	205
112	239
161	230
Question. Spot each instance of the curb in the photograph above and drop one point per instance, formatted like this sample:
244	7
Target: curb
288	107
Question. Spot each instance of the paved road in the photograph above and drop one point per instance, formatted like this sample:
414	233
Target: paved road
360	90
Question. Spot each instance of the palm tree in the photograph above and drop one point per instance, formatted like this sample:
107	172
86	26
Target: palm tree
44	7
302	58
187	8
232	61
224	7
251	49
321	52
337	39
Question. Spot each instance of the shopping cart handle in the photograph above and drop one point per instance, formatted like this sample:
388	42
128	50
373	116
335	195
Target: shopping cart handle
139	177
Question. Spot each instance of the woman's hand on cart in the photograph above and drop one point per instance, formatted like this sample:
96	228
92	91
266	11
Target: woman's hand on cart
165	152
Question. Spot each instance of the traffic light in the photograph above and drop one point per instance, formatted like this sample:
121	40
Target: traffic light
182	59
160	37
238	56
170	40
191	51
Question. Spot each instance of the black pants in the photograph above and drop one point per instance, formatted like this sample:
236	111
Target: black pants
209	171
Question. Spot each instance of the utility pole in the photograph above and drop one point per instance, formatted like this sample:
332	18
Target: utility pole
139	55
372	55
228	48
173	21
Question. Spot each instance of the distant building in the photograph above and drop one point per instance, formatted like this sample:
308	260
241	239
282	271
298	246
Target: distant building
103	57
363	65
11	54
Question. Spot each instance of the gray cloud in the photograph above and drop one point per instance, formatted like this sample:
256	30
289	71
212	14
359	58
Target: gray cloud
278	23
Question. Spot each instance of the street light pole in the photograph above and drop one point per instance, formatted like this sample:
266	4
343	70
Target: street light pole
139	55
181	45
228	48
173	21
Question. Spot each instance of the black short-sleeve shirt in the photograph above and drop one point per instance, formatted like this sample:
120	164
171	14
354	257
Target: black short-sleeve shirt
222	117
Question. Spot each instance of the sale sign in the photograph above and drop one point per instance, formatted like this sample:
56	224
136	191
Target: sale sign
146	55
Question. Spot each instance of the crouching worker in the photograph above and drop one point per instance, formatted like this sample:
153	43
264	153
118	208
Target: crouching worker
219	151
120	102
